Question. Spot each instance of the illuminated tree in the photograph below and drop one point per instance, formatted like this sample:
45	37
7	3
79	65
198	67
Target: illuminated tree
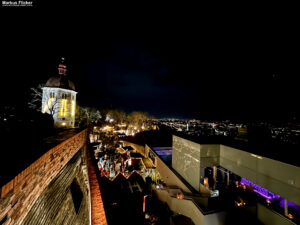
138	119
86	116
115	116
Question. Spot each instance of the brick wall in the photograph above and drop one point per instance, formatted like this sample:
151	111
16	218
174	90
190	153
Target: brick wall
56	205
20	194
97	208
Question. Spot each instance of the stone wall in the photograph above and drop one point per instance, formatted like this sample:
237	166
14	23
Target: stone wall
56	204
25	198
97	207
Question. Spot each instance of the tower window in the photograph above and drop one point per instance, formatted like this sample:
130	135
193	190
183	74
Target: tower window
77	195
64	96
63	107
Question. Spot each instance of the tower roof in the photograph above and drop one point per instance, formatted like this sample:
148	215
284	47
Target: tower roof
61	80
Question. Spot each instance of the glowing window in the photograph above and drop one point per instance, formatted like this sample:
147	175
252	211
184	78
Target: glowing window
73	108
63	107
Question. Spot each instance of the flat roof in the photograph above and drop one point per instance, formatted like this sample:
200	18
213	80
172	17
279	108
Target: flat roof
286	153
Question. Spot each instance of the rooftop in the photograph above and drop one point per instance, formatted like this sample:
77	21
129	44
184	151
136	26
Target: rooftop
286	153
60	82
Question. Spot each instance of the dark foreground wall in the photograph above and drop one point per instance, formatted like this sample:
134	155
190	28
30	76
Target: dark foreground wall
52	190
66	199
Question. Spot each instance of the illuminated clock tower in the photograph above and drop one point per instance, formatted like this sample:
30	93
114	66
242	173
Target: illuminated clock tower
59	98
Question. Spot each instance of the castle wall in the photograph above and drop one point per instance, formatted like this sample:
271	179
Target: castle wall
47	178
56	204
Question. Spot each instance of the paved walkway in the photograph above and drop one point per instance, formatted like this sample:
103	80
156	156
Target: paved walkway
98	213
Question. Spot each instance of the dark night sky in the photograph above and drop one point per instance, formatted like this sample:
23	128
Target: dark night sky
166	61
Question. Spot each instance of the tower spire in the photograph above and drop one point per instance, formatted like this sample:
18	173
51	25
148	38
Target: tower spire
62	68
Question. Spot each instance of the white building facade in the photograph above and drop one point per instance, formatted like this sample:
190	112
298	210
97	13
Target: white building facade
59	98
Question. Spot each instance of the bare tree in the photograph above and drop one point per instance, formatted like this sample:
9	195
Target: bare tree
36	98
51	104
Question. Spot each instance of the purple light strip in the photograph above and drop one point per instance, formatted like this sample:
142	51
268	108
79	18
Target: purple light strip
260	190
266	196
269	195
164	152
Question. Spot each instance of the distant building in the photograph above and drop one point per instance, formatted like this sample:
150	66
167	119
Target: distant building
269	186
59	98
218	184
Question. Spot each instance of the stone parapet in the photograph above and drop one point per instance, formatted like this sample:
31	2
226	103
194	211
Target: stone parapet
19	195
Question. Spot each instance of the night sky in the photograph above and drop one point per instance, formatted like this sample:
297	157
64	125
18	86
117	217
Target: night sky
169	62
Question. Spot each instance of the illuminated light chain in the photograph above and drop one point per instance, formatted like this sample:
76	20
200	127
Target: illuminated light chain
48	104
73	108
63	108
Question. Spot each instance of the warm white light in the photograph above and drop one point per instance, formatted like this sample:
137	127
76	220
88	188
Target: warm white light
256	156
48	104
63	123
73	108
63	107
